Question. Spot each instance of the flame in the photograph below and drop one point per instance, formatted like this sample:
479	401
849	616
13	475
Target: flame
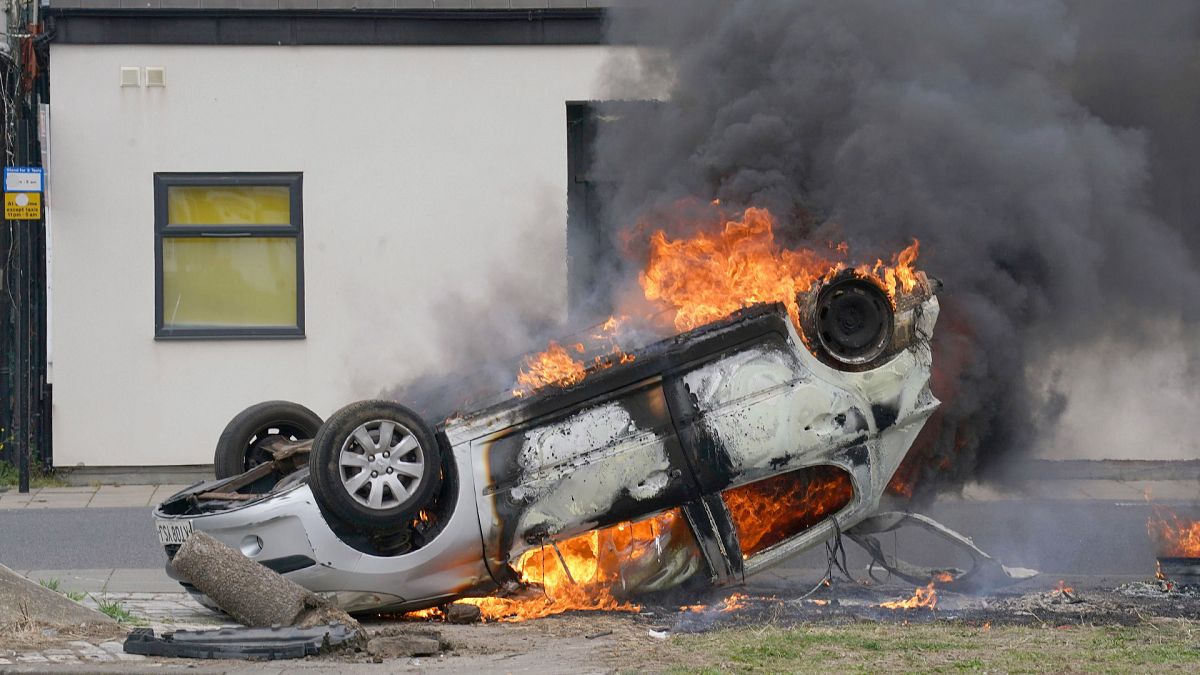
771	510
1175	537
593	568
557	367
943	577
734	602
1062	589
554	366
709	276
922	597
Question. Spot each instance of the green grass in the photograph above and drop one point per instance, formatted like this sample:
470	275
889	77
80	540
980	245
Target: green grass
116	610
54	585
942	647
37	478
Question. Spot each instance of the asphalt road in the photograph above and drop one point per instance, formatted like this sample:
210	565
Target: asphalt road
1056	537
69	539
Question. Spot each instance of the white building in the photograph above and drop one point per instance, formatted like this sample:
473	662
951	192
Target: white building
256	203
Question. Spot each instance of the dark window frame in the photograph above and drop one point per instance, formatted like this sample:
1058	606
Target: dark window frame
162	231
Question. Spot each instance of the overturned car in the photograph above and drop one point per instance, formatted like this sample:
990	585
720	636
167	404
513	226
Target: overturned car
759	435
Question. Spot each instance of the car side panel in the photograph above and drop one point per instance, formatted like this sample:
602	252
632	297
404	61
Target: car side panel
612	459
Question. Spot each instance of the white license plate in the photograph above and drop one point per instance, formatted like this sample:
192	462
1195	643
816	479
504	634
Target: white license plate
173	531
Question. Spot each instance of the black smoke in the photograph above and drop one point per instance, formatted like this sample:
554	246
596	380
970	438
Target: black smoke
1046	154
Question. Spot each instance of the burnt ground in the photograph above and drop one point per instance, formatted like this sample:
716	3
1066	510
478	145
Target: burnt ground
1098	613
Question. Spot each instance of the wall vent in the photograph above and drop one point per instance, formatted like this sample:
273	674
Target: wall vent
156	76
131	76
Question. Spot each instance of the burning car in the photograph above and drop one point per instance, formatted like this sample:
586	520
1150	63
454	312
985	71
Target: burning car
712	454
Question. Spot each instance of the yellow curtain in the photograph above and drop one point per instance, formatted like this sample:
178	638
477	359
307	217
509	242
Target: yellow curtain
239	281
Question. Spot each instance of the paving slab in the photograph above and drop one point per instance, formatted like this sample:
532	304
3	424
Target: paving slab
141	581
145	490
162	492
119	501
59	502
13	500
79	581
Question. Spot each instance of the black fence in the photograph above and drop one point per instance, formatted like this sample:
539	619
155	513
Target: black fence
25	397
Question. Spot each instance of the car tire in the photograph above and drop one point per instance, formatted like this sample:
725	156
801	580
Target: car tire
854	321
239	448
375	465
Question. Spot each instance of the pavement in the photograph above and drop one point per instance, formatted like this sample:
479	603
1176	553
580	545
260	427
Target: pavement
87	497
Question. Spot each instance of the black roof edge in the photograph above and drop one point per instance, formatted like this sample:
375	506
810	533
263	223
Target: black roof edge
557	26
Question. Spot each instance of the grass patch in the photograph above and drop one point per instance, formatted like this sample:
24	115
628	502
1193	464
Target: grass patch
9	475
1163	645
116	610
54	585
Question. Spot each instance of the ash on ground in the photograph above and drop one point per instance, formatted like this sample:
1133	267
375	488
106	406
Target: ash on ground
1036	602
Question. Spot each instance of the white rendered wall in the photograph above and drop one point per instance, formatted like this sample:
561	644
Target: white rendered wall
428	172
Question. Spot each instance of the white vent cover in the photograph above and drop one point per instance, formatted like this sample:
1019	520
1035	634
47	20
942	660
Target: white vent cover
156	76
130	76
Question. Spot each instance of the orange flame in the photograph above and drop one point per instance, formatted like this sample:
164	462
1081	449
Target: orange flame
710	276
553	366
1176	537
556	367
766	512
593	567
922	597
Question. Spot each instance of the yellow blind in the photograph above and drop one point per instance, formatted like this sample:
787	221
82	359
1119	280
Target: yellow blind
228	205
243	281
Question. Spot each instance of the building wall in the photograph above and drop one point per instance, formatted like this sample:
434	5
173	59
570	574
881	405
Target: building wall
429	173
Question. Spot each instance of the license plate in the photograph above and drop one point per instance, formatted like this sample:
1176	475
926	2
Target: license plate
173	531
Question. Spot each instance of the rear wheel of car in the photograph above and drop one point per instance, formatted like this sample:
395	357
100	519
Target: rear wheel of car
854	321
374	465
241	446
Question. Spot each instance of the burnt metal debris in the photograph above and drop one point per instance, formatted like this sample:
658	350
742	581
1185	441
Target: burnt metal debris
986	573
276	642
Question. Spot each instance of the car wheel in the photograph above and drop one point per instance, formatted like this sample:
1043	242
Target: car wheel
241	445
374	465
854	321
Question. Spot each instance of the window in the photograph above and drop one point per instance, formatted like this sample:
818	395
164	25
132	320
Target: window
228	255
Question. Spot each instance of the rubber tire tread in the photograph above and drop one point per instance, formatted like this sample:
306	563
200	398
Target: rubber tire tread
229	459
324	473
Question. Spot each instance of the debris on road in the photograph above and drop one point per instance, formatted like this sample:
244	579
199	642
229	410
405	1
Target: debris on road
241	643
393	644
249	592
283	619
460	612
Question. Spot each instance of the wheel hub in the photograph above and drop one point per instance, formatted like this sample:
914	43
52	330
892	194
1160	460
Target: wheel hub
381	463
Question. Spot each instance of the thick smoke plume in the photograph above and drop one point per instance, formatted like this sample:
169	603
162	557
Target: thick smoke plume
1046	155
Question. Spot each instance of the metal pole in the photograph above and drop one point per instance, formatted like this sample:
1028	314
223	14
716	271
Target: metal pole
20	433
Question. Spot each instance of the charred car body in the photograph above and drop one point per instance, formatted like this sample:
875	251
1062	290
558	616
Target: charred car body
391	513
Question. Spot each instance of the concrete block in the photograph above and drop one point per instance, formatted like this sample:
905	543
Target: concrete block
403	646
21	598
